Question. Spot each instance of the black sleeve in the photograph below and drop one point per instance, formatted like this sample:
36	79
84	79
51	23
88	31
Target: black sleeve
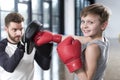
43	55
9	63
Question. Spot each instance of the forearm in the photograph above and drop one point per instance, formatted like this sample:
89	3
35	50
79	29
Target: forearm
10	63
43	55
82	39
43	62
82	75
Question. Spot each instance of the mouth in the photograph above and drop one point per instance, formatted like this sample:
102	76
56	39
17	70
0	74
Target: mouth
86	31
18	37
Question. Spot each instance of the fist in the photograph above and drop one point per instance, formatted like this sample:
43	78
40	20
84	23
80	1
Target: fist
69	52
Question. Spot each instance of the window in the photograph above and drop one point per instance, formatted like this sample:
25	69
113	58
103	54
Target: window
9	3
3	12
79	5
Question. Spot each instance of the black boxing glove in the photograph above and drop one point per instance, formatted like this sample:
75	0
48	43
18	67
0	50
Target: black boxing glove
43	55
32	28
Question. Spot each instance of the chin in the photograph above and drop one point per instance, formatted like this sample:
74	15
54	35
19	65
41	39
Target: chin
17	41
86	35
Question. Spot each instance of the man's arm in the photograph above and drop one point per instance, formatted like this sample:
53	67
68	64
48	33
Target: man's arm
10	63
43	55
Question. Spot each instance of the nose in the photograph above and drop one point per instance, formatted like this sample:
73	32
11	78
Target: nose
84	25
19	33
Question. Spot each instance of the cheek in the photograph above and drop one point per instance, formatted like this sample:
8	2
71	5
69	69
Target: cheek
96	30
81	27
11	33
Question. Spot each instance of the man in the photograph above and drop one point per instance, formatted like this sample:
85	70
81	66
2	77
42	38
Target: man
15	63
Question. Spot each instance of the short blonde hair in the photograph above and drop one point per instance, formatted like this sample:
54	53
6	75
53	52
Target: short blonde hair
97	9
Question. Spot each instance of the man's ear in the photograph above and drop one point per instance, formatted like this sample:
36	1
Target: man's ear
104	25
6	28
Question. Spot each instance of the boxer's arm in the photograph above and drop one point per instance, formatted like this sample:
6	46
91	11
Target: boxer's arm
10	63
82	39
92	55
35	33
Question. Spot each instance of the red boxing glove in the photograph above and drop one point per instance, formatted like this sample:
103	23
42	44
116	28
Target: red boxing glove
44	37
69	52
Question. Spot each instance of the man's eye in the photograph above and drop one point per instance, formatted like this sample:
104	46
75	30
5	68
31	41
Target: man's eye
21	29
14	29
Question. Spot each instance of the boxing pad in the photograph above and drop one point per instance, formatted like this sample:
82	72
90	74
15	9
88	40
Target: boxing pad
43	55
32	28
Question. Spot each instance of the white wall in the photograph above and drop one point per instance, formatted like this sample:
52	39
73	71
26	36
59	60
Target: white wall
69	17
113	29
69	27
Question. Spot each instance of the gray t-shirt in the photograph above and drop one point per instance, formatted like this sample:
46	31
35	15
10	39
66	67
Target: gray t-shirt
104	46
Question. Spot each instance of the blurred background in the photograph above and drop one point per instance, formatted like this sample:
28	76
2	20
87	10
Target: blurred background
63	16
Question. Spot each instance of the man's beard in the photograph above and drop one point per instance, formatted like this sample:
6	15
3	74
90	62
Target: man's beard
15	39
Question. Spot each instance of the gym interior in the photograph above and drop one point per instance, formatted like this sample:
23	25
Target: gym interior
63	17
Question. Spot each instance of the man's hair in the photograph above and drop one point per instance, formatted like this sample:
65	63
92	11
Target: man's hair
97	9
13	17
